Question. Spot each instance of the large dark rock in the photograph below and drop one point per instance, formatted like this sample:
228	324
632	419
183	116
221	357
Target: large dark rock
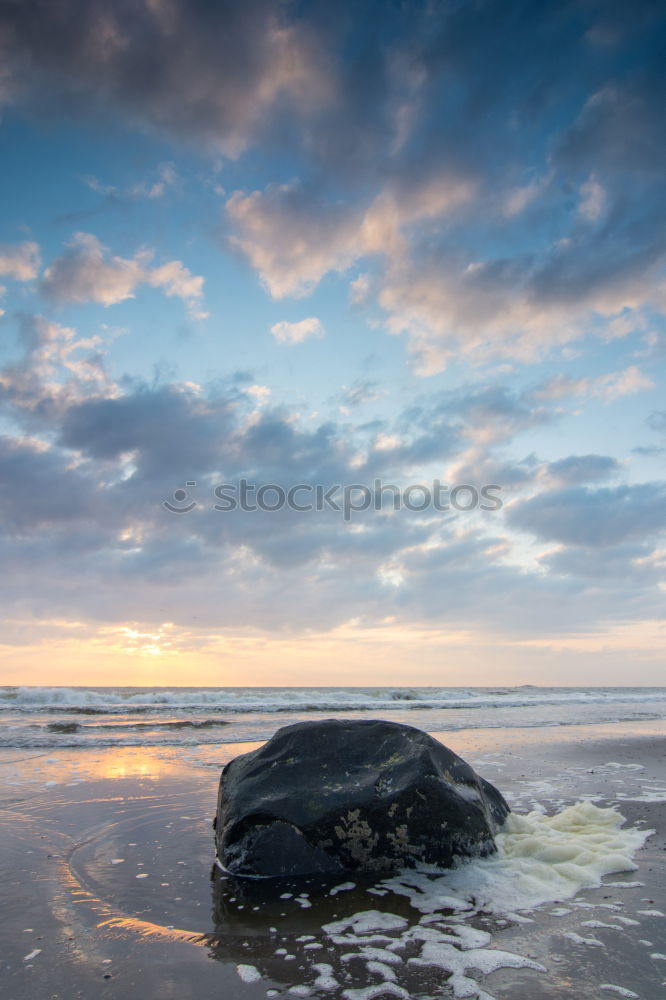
338	796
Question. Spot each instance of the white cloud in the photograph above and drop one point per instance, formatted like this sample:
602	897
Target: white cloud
296	333
293	239
518	198
624	383
396	208
561	386
259	393
58	368
19	261
175	279
445	301
608	386
84	273
593	199
167	177
518	308
97	186
359	290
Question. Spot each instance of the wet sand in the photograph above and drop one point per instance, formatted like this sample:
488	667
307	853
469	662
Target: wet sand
105	877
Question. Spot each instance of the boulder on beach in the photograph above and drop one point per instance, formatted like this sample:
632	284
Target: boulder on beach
352	796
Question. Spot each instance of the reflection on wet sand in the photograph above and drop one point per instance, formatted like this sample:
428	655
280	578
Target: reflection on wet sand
134	762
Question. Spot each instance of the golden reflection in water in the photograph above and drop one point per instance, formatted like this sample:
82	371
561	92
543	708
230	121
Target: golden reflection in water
110	918
129	762
155	762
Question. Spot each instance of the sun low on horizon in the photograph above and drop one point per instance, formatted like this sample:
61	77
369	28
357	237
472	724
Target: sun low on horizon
327	358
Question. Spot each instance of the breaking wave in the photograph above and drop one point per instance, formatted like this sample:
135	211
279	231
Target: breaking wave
121	701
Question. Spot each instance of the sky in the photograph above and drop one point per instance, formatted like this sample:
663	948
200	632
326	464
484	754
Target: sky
332	246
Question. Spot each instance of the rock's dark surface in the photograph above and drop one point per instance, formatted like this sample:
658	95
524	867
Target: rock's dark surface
352	796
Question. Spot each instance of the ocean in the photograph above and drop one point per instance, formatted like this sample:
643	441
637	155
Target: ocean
59	717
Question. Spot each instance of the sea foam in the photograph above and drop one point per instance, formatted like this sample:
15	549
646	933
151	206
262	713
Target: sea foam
540	859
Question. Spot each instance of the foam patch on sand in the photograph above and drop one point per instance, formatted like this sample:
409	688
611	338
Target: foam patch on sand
540	859
248	973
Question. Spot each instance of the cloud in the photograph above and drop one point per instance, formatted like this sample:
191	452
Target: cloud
625	383
295	333
593	518
432	228
518	199
607	387
293	238
507	214
462	427
198	71
592	201
290	238
175	280
20	261
614	566
177	429
86	535
360	392
40	492
576	469
85	274
359	290
498	215
167	177
657	420
259	393
57	368
517	307
618	121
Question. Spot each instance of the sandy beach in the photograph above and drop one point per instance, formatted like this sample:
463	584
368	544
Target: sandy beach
107	857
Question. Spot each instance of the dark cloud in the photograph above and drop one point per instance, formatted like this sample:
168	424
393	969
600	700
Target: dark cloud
40	492
593	518
621	120
208	71
583	469
657	420
613	568
495	410
359	392
169	430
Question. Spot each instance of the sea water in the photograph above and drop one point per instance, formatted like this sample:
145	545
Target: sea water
45	717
